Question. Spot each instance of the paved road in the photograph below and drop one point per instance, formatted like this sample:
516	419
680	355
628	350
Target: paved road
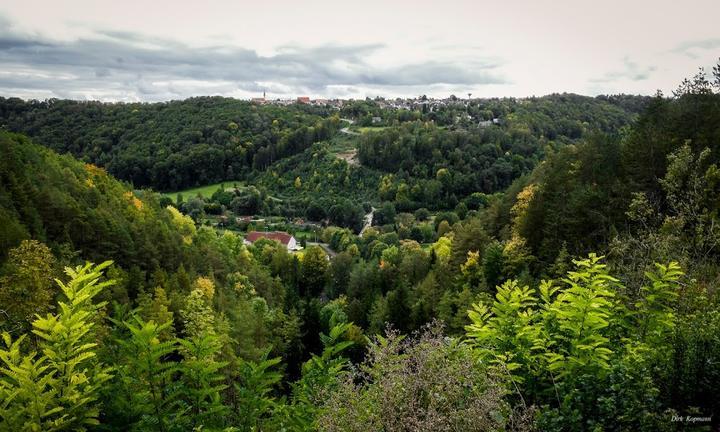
346	130
349	132
326	247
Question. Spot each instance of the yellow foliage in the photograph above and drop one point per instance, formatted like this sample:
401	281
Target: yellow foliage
353	250
523	199
519	209
472	263
183	223
245	288
135	201
386	187
442	173
515	249
442	248
206	286
94	170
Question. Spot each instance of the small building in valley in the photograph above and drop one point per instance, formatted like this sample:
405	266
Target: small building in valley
282	237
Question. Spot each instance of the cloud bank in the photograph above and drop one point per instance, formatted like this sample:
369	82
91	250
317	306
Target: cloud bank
114	65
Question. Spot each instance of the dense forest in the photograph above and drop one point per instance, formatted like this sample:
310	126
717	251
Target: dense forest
172	145
556	271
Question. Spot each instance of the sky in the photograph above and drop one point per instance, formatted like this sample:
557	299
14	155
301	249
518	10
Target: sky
155	50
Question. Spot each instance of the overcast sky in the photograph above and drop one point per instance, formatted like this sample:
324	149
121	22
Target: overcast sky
154	50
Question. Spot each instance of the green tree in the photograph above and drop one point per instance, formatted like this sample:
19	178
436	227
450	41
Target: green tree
320	376
157	309
197	316
26	287
313	271
202	380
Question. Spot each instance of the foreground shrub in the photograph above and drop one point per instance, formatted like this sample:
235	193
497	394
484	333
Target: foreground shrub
425	383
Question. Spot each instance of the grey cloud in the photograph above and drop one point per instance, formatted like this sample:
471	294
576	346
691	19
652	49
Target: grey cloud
125	65
439	73
631	71
688	48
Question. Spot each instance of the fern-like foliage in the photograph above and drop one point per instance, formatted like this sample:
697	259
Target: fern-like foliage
320	375
150	378
546	339
257	379
583	310
202	380
655	311
28	398
505	334
57	388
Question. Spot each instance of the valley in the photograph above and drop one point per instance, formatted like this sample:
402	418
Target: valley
517	264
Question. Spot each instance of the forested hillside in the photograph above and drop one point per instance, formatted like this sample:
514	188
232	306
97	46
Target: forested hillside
171	145
174	145
576	293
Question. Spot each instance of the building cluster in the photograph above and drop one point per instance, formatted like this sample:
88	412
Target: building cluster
418	103
336	103
422	103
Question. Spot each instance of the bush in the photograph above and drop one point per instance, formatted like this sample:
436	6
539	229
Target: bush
425	383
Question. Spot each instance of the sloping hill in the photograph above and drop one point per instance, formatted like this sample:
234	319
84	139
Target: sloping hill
73	206
171	145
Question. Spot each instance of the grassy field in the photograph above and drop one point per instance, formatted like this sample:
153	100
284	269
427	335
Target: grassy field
366	129
206	191
309	235
341	144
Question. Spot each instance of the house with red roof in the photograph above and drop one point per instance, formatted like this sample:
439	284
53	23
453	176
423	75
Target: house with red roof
281	237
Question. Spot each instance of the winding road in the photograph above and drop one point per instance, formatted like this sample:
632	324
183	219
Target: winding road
368	221
346	130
